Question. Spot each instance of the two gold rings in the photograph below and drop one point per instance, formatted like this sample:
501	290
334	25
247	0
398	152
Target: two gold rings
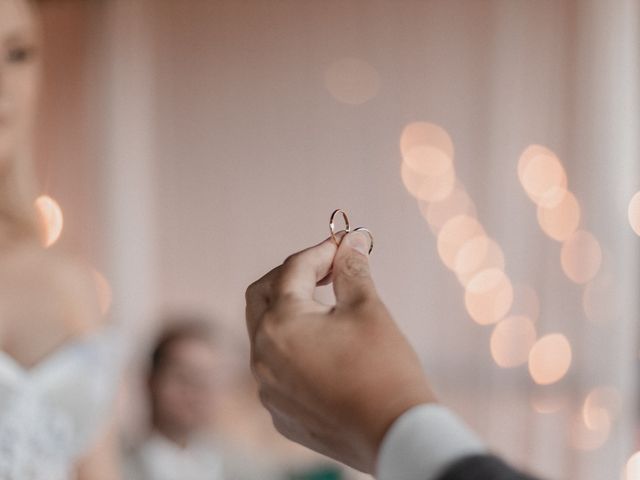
347	227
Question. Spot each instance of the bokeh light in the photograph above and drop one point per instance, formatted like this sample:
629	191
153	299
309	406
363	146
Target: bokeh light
418	134
458	202
632	470
453	236
488	296
411	179
512	340
528	154
634	213
581	257
601	407
478	253
427	160
561	220
542	176
352	81
550	359
51	219
428	188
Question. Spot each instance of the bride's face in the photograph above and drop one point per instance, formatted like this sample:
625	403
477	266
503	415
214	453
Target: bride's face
19	74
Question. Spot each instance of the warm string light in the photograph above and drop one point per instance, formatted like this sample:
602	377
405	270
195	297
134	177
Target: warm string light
428	173
562	220
51	219
479	254
488	296
550	359
601	407
542	176
511	341
581	257
544	180
438	213
477	260
427	168
454	234
465	248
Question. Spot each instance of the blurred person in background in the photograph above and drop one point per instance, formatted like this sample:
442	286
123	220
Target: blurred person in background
184	381
57	367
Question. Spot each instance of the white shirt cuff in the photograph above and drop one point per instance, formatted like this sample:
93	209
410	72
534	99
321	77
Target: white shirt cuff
423	442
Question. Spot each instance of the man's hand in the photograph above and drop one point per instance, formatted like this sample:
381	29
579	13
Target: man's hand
334	378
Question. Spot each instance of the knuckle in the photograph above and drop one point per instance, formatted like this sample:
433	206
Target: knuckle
254	291
249	292
291	260
284	301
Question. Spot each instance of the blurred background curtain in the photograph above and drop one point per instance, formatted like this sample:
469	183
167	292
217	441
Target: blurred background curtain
195	144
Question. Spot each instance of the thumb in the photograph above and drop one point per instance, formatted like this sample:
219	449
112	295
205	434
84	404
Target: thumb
352	282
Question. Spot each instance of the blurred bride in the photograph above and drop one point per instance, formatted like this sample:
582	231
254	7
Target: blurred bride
57	365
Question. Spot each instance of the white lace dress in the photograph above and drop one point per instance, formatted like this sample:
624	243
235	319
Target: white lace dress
50	414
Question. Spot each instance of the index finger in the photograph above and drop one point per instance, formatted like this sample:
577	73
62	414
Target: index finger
297	276
301	272
258	298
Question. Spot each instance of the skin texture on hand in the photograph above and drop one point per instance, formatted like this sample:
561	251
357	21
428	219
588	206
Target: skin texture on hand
334	378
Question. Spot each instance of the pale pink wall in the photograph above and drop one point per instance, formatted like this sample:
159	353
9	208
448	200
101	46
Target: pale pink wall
253	153
221	151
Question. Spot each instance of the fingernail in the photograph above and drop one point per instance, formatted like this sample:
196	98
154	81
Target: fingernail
359	242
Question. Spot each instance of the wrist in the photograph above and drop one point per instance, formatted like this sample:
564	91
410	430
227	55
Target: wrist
423	442
382	415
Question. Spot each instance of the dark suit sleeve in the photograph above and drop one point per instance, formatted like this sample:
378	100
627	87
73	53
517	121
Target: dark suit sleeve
482	467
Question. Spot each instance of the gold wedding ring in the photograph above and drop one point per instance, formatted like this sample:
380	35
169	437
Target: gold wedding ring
347	227
362	229
332	225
